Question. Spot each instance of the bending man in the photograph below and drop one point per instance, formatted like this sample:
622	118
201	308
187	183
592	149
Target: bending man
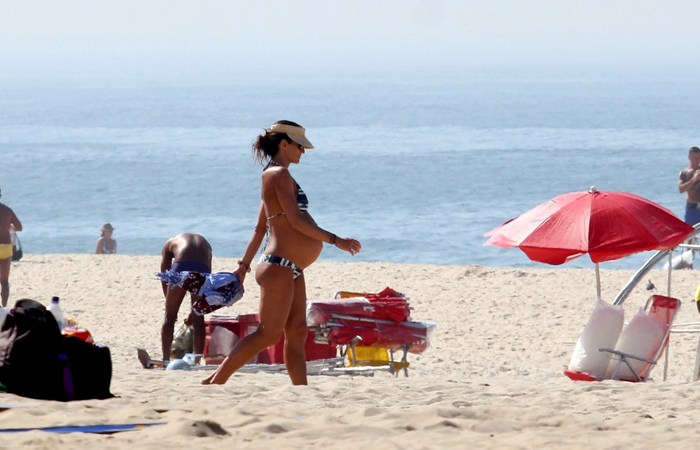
184	252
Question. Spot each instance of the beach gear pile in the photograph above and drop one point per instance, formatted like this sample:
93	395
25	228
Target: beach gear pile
376	320
215	290
38	360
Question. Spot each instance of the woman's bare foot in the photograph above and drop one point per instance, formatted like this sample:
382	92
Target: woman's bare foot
208	379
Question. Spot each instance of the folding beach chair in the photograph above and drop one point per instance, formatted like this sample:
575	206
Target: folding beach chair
370	328
378	357
651	339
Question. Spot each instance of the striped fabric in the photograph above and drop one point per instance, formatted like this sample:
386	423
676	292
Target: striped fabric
282	262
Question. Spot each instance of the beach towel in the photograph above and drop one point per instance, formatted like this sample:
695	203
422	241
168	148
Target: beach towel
390	308
215	290
98	429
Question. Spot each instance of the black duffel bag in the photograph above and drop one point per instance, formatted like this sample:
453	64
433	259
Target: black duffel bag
36	361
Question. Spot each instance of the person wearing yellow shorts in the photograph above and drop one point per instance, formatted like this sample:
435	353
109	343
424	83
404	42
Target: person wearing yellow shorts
6	251
8	221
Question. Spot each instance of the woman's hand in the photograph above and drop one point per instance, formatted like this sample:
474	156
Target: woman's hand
241	272
351	246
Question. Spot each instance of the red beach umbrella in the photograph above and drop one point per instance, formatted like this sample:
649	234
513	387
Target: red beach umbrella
607	225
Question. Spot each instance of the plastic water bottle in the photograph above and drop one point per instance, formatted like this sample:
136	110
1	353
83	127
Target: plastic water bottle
3	314
190	358
55	309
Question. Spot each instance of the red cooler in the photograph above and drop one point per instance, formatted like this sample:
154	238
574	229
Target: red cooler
245	324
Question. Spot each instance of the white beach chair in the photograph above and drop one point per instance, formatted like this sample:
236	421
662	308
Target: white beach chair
649	340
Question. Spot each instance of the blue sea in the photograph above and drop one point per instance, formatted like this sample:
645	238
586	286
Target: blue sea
416	168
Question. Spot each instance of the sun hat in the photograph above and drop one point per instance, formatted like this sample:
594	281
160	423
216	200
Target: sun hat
295	133
107	227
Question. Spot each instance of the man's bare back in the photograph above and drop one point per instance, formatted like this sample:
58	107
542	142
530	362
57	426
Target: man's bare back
188	247
8	220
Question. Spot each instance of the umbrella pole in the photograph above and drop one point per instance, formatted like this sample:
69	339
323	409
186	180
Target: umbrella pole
597	280
670	266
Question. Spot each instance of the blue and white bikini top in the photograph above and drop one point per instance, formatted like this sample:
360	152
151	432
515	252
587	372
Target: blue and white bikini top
302	199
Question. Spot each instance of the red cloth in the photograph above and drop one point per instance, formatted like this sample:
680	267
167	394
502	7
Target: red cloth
395	309
386	293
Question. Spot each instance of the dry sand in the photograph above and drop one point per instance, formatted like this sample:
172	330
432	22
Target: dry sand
491	379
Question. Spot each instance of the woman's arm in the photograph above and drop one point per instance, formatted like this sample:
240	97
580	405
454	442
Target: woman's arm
283	184
98	247
253	244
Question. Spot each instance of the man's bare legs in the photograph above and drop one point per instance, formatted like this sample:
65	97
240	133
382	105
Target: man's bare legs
295	333
276	297
200	333
173	300
4	280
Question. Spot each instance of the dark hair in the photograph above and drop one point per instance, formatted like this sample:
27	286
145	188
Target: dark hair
694	150
266	145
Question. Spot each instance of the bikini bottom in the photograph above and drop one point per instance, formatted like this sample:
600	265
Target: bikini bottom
282	262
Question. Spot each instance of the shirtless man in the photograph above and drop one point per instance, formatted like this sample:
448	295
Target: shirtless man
8	221
689	182
184	252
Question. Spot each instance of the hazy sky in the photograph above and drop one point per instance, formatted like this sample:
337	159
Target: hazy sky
308	35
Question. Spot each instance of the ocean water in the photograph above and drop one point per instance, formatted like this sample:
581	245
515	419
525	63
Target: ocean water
416	169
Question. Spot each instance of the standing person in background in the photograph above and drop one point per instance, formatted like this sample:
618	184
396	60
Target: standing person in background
105	244
294	243
689	183
184	252
8	221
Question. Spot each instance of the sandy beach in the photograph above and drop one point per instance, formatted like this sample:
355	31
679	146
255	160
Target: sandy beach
491	379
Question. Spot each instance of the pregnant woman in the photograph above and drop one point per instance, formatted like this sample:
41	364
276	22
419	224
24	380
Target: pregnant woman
294	243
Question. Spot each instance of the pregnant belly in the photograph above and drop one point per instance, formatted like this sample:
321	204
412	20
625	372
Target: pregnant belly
297	247
307	251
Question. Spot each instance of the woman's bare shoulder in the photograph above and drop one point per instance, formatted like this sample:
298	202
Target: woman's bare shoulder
276	175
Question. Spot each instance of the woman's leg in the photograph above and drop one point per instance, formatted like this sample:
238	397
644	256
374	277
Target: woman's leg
276	294
295	334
